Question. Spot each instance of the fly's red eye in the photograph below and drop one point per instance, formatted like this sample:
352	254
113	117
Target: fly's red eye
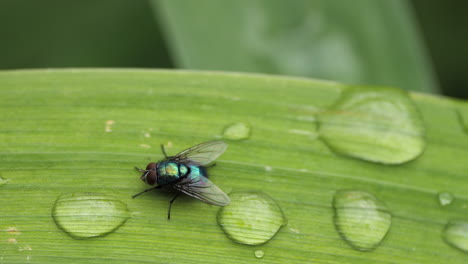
150	175
151	166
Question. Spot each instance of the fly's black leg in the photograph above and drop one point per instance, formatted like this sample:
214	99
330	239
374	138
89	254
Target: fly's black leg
163	150
147	190
170	206
140	170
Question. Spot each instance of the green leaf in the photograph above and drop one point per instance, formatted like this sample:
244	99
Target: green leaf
83	131
357	42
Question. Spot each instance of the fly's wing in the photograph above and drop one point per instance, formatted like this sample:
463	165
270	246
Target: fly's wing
203	153
203	189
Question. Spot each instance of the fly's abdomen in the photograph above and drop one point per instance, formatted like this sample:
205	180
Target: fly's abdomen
196	171
170	172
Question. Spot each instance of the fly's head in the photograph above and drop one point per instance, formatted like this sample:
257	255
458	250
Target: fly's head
150	175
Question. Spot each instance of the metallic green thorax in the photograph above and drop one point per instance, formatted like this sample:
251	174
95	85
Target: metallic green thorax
170	171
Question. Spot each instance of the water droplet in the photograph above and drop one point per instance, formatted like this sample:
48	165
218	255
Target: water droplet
3	181
237	131
259	253
85	215
445	198
374	124
361	219
109	124
252	218
169	145
13	231
456	234
302	132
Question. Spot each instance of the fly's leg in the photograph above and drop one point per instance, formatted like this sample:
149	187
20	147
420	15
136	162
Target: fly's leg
170	206
140	170
163	151
147	190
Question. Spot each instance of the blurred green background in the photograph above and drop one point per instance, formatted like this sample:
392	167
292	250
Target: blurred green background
415	45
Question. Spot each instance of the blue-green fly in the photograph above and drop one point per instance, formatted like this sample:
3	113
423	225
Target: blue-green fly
186	173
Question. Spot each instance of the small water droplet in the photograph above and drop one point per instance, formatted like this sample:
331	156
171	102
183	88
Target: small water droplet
85	215
3	181
361	219
456	234
23	248
169	145
374	124
251	218
237	131
13	231
302	132
445	198
259	253
109	124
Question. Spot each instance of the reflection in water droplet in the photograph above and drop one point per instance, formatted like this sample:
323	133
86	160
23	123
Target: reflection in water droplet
252	218
374	124
85	215
445	198
259	253
237	131
361	219
456	234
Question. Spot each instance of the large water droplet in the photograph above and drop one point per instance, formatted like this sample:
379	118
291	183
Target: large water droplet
375	124
456	234
237	131
259	253
445	198
361	219
251	218
85	215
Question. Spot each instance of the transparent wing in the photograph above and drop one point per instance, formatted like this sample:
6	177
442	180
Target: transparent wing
203	189
203	153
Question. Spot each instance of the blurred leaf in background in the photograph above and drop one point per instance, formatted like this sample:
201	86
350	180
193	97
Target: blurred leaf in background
85	33
357	42
444	25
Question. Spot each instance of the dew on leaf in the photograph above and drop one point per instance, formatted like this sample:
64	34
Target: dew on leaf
375	124
86	215
361	219
237	131
259	253
456	234
251	218
445	198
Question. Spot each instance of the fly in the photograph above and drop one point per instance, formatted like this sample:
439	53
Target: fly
186	173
